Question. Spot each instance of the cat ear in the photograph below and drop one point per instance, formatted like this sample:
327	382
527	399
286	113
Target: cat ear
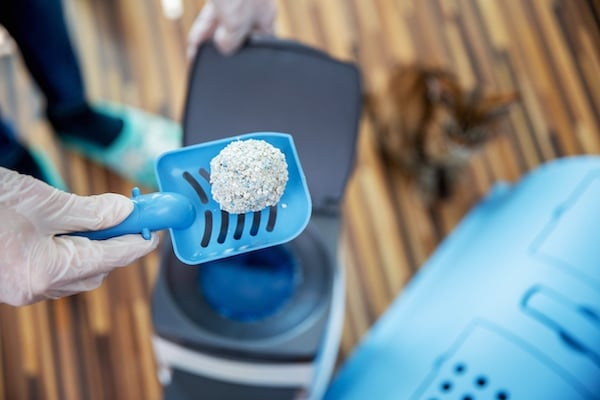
442	89
496	105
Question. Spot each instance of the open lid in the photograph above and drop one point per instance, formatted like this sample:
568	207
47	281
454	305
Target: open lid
283	86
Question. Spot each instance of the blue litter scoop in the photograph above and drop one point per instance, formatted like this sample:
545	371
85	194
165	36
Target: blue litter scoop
200	230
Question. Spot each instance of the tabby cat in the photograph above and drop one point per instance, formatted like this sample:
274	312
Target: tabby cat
428	125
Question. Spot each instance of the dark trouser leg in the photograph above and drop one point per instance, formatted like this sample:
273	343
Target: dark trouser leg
39	28
14	156
40	31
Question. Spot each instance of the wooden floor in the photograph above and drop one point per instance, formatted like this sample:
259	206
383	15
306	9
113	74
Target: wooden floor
97	345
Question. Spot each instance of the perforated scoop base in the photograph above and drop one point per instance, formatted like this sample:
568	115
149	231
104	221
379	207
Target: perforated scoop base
215	233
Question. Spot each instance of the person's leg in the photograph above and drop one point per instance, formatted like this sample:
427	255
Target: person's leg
40	31
14	156
124	139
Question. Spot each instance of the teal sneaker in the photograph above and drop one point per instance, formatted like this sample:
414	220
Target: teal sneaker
50	173
132	155
27	158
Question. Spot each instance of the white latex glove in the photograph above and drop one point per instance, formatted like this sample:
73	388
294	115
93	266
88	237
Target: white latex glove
229	22
35	263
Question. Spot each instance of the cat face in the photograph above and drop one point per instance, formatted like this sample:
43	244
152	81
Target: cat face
468	116
429	125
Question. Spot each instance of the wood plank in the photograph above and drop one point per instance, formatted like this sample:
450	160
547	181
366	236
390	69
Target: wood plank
97	345
67	361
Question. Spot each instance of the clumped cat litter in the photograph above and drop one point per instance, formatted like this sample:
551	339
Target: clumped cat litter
247	176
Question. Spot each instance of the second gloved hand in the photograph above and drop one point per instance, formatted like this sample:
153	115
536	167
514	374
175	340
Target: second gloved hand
229	22
37	262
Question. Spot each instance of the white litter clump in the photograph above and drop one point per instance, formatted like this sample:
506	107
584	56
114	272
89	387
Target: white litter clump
247	176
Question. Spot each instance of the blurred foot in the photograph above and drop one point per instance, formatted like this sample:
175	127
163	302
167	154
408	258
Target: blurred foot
124	139
15	156
85	123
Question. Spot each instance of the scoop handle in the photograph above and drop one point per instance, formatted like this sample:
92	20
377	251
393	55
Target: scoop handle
151	212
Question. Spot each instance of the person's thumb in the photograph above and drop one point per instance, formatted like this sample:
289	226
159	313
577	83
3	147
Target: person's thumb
202	29
265	21
229	40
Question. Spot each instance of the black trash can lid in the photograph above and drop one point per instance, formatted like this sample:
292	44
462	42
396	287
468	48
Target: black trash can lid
282	86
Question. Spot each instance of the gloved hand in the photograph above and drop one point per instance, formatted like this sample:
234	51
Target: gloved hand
228	22
35	263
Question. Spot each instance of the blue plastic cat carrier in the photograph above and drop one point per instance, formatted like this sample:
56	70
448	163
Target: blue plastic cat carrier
508	307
